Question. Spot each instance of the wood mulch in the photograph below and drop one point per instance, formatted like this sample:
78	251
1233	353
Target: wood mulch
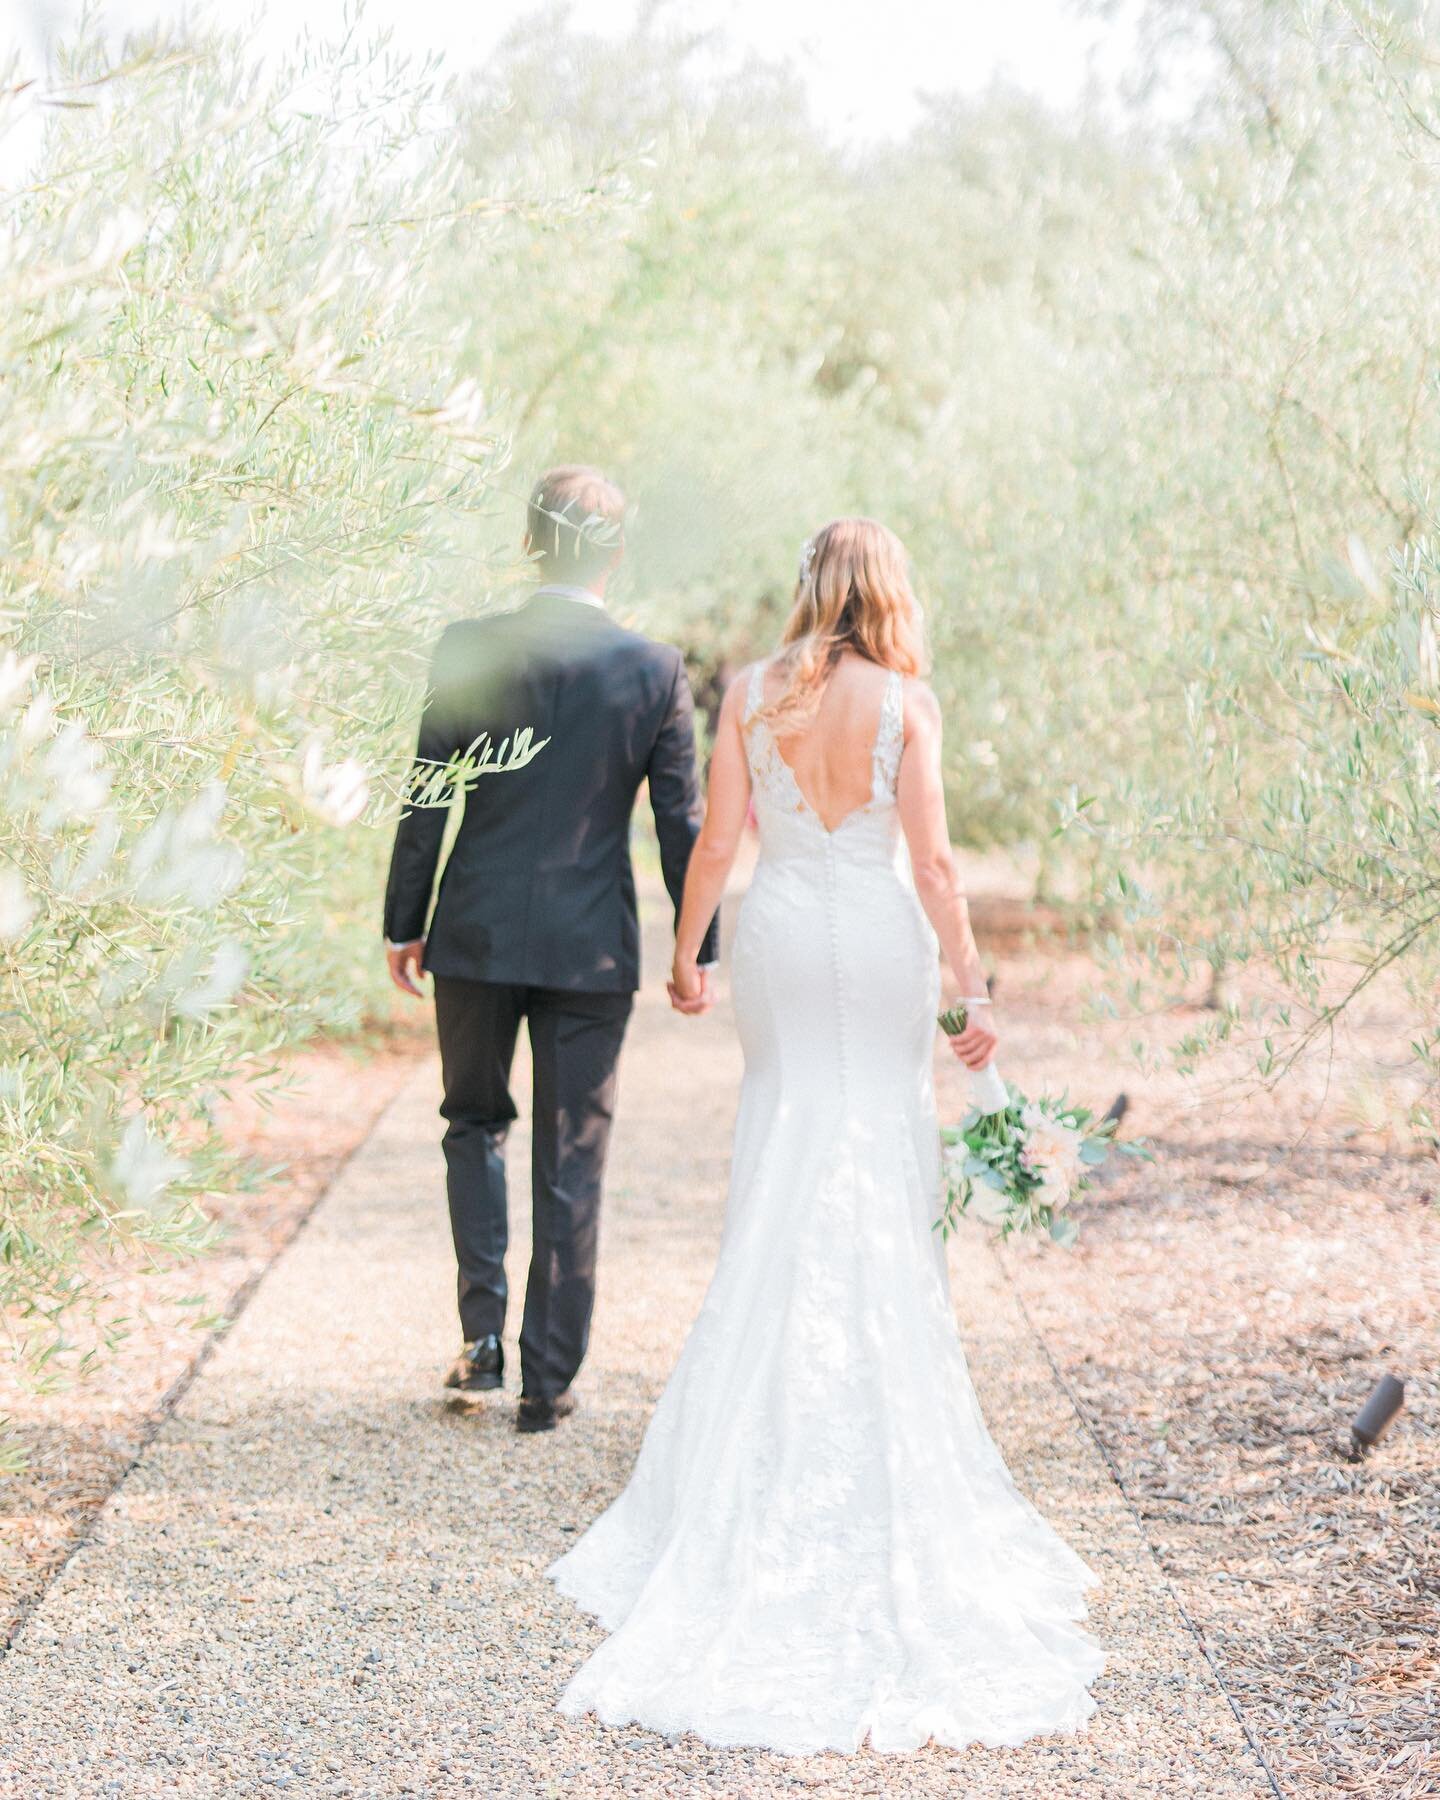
1222	1320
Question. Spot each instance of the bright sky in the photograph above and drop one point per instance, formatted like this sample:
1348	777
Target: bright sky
864	63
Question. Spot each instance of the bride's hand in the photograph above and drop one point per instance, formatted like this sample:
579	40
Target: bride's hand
689	987
975	1045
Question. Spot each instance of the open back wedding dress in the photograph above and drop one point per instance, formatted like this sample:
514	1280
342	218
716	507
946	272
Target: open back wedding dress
820	1540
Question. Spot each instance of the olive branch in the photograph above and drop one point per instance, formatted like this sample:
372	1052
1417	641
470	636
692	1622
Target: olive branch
432	783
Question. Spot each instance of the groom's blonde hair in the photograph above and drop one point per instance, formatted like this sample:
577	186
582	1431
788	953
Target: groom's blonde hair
575	521
853	593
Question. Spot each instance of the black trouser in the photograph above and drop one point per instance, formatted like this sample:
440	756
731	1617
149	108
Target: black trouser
575	1043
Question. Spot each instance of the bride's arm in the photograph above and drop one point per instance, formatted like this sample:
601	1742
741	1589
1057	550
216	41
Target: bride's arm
727	801
921	798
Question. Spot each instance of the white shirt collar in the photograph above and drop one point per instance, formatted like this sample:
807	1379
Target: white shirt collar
587	595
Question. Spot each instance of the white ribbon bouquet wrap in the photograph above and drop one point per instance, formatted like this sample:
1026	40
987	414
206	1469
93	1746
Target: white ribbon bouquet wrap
1017	1163
987	1090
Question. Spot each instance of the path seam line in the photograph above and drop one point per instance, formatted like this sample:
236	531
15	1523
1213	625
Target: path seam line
1083	1415
181	1385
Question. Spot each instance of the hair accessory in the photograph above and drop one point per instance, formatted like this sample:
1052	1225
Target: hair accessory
807	559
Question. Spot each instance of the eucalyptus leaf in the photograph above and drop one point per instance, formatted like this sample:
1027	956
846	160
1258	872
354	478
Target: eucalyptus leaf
1064	1231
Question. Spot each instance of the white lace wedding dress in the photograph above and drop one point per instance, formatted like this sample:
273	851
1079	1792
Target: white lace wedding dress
820	1540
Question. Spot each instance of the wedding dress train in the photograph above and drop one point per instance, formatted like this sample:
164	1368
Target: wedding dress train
820	1541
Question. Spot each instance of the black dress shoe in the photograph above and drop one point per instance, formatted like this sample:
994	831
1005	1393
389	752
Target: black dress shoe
537	1414
479	1367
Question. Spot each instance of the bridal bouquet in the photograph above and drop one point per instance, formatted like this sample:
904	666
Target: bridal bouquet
1018	1163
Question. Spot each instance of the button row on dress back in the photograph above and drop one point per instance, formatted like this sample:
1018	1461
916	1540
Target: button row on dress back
832	911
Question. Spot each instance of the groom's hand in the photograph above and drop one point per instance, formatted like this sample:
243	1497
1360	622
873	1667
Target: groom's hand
691	990
404	964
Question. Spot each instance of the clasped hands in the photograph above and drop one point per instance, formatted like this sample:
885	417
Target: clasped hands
692	991
691	988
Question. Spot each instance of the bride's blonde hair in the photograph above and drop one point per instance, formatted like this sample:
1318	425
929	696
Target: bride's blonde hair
853	593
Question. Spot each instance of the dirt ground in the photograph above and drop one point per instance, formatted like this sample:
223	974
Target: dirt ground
81	1439
1222	1319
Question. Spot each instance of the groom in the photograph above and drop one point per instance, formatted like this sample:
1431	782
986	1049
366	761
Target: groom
535	917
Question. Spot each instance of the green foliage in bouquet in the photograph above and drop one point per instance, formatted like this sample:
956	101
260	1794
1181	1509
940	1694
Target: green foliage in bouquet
1020	1169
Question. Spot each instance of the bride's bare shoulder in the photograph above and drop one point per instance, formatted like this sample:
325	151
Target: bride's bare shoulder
736	698
922	709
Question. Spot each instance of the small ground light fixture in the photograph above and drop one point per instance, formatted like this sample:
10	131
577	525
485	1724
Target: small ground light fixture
1374	1417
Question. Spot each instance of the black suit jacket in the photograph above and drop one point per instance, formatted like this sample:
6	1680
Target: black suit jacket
538	889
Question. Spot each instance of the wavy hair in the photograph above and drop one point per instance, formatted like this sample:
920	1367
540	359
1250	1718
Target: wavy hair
853	593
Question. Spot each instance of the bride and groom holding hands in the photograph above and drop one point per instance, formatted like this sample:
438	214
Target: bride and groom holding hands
819	1543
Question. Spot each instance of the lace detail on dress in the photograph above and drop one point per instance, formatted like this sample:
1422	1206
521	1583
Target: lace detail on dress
820	1541
770	774
773	777
889	738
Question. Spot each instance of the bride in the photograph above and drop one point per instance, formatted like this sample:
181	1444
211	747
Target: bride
820	1541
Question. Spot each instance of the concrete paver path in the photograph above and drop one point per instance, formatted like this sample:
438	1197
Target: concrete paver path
321	1580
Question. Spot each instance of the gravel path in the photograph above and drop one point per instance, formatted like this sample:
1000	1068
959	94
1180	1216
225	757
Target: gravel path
319	1579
